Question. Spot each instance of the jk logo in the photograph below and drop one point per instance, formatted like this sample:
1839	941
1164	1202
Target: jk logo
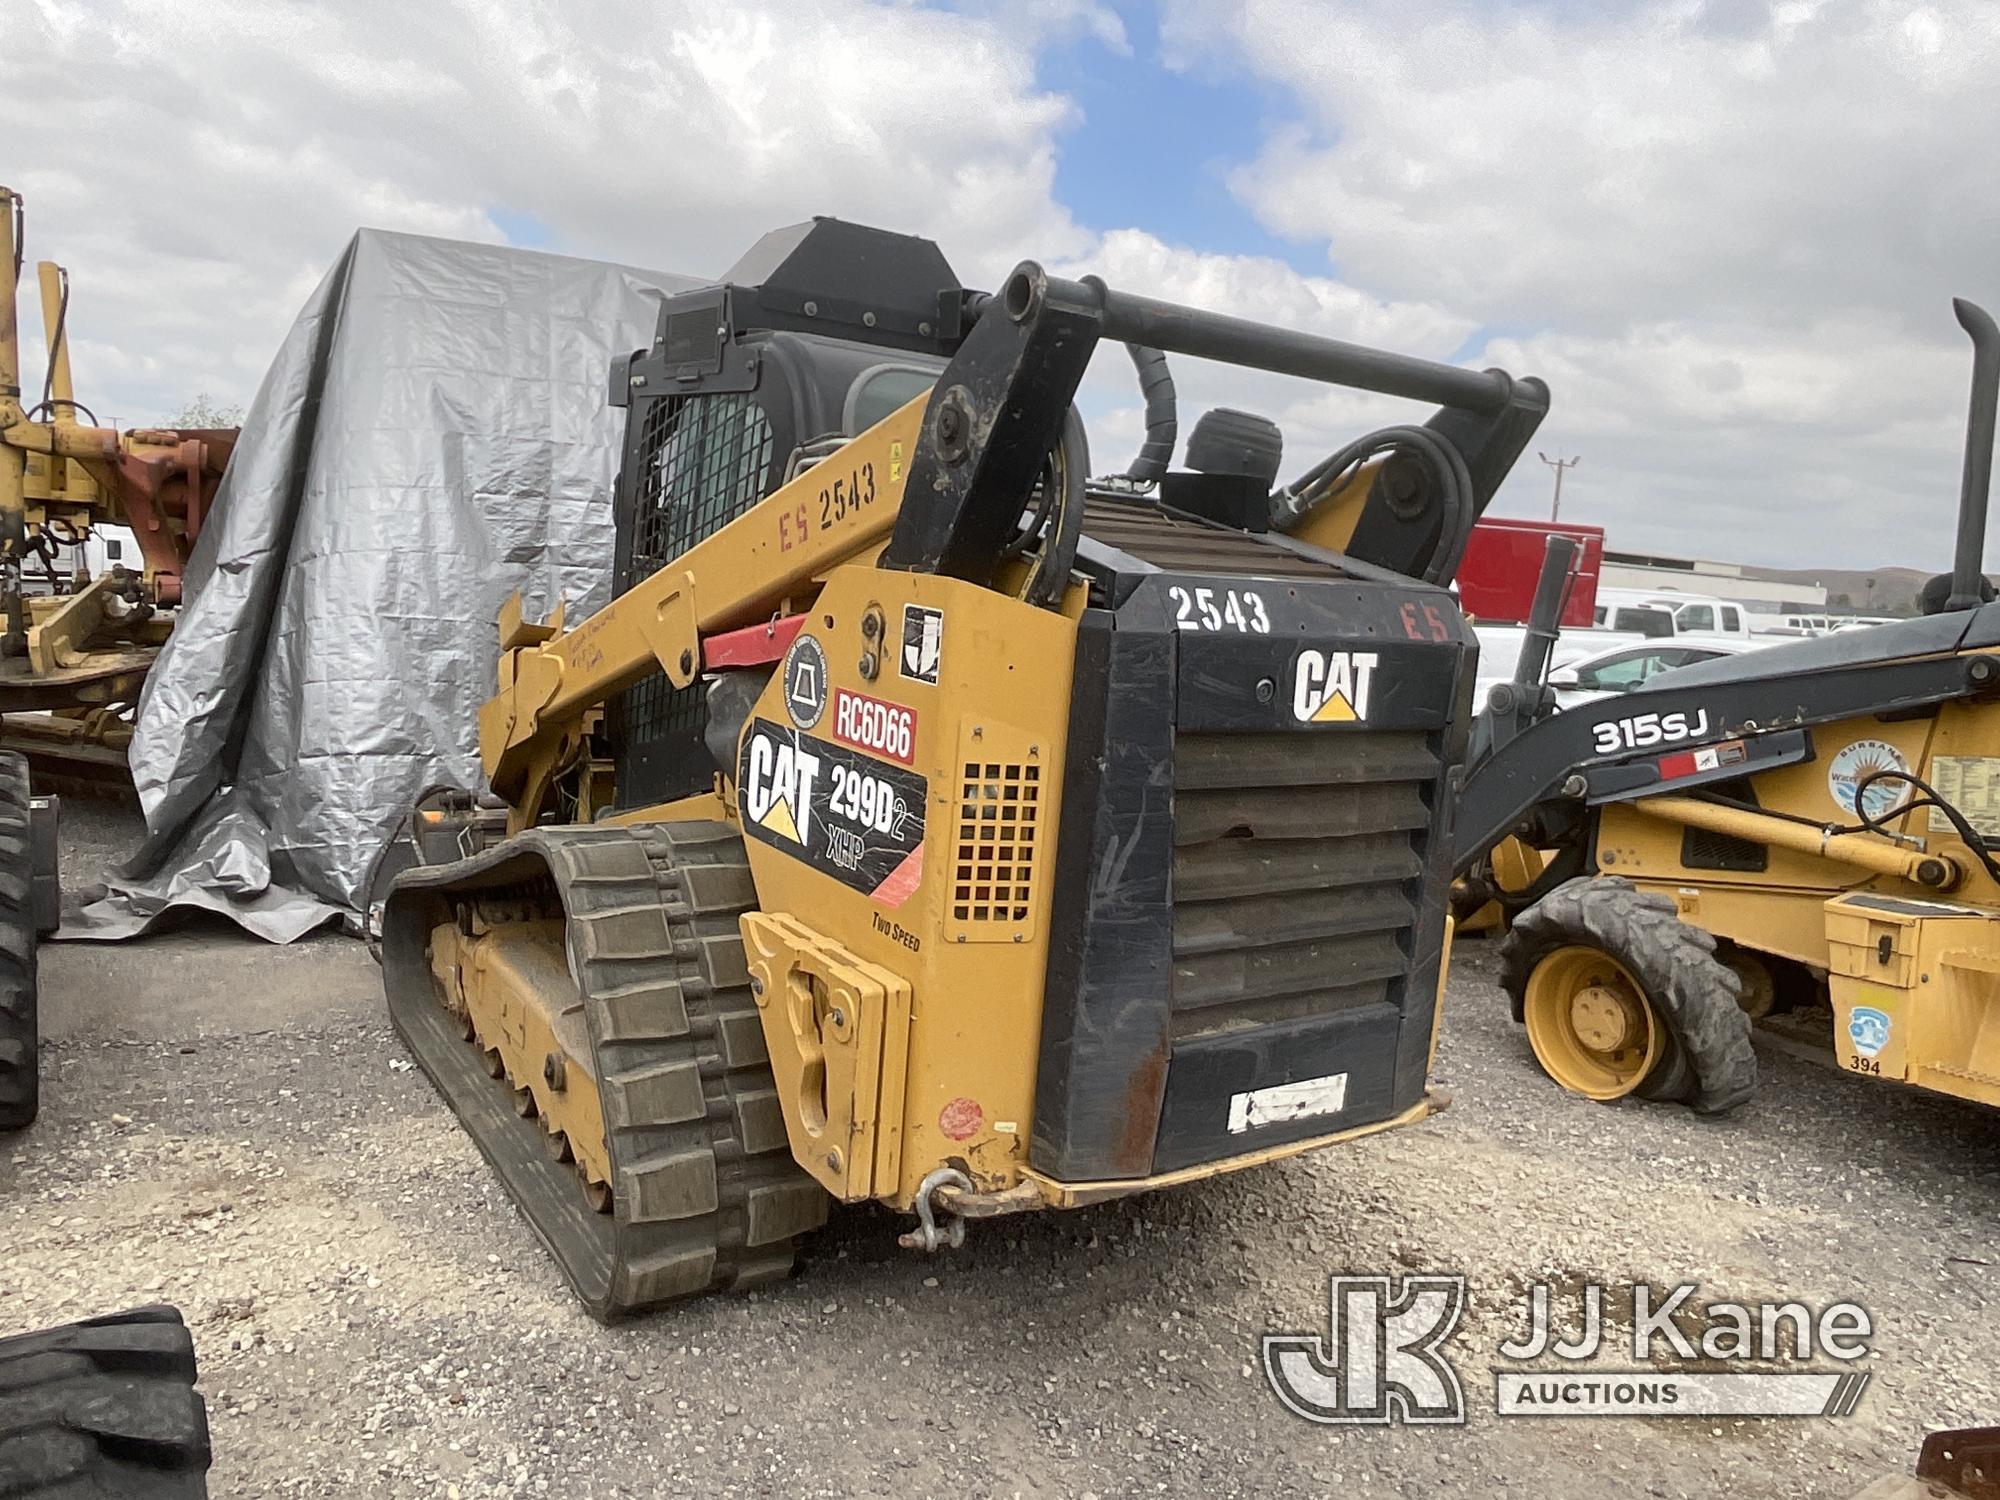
1380	1361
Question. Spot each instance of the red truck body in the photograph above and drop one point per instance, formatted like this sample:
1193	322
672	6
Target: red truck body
1503	560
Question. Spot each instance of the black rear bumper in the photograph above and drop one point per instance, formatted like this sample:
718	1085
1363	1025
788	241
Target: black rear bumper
1251	882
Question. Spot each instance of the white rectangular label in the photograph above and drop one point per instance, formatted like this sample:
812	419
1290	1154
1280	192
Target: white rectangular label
1287	1101
1586	1392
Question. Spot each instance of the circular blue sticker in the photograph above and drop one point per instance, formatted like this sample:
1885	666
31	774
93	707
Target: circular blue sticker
1855	763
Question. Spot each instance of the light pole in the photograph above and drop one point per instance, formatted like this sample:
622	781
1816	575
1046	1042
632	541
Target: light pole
1559	464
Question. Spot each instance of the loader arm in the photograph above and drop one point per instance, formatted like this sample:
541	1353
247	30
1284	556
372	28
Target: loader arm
1637	744
773	552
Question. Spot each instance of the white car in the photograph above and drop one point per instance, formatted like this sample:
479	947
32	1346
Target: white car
1500	650
1623	668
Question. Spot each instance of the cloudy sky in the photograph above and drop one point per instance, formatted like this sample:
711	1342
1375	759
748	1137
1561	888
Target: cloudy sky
1725	231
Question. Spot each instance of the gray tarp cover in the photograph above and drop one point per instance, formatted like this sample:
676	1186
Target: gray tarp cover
433	435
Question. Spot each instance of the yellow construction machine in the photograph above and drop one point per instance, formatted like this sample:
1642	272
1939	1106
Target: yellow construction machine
928	822
75	647
1803	837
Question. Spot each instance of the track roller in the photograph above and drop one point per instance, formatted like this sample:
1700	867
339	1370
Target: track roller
702	1194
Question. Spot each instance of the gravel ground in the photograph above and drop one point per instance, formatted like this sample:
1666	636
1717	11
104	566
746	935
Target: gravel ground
235	1129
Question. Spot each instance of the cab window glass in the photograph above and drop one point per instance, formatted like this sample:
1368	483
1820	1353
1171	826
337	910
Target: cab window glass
1626	671
1696	617
881	391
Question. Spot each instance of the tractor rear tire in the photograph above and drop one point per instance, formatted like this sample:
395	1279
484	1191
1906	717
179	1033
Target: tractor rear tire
104	1409
20	1026
1708	1061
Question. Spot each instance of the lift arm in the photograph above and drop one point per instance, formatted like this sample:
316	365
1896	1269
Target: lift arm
1587	755
772	552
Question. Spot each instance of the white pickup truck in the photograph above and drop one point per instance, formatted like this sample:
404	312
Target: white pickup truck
1686	614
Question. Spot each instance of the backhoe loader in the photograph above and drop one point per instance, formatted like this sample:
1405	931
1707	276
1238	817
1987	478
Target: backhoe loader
1802	837
926	821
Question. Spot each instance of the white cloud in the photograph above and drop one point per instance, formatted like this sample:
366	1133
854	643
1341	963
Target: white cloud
1735	227
1315	418
1724	232
229	163
198	167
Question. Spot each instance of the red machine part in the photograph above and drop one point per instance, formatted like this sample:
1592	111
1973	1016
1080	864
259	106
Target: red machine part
751	646
166	482
1503	560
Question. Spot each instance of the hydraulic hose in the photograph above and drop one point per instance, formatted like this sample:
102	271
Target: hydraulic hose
1291	504
1069	467
1156	384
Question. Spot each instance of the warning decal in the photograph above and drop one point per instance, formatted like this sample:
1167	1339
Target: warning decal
847	815
923	643
1970	783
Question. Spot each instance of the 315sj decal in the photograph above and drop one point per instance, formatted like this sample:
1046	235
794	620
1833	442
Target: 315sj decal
845	814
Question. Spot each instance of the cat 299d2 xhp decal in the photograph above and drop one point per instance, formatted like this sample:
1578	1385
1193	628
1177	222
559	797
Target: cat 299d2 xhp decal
846	815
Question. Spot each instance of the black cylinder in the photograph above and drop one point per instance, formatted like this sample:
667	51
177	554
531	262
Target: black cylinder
1545	614
1968	561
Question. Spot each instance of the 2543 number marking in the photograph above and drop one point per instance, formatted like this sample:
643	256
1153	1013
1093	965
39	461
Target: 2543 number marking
1220	609
845	497
837	501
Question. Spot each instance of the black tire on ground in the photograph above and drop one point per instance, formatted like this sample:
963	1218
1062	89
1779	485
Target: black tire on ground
20	1030
103	1408
1709	1062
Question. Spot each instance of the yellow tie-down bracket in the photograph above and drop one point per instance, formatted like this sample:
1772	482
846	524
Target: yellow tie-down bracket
837	1028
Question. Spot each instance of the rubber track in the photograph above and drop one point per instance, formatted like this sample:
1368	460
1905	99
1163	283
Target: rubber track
1712	1064
706	1194
103	1408
20	1030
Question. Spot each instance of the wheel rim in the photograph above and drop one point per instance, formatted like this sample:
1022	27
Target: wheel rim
1590	1024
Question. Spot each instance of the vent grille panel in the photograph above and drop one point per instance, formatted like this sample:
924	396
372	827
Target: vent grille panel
995	850
1298	873
1179	545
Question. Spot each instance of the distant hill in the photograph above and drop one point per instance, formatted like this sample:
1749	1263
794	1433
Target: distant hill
1865	591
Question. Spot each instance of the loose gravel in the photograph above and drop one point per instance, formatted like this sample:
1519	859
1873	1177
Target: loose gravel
374	1318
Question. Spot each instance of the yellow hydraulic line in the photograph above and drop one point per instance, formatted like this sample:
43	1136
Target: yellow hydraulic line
1937	871
17	434
55	330
13	459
